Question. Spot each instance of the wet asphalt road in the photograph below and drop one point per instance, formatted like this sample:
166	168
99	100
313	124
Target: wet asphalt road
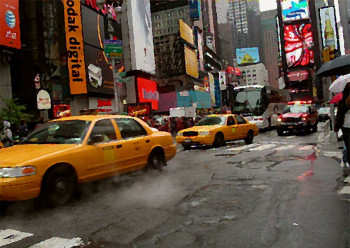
278	192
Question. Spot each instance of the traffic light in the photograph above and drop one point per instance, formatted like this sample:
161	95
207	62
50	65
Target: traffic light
332	52
326	54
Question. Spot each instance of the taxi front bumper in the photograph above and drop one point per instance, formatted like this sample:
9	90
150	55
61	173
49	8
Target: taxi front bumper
17	189
195	140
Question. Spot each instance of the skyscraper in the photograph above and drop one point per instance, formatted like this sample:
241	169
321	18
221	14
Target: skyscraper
270	54
244	15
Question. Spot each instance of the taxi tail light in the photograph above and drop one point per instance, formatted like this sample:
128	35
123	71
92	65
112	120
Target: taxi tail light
304	115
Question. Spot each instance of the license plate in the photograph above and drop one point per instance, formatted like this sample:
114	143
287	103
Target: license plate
188	140
290	127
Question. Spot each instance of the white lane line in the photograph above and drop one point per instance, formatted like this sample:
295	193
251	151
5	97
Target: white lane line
333	154
283	148
306	147
263	147
9	236
240	148
58	243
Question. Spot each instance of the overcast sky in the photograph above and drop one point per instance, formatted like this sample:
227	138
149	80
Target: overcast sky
267	5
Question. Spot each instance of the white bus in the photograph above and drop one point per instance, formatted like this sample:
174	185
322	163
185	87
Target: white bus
259	104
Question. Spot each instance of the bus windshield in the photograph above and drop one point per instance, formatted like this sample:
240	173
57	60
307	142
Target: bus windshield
248	102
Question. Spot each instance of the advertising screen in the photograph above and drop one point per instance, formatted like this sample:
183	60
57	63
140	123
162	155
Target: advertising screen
147	92
191	62
298	45
9	24
186	32
141	36
294	10
195	9
247	55
329	28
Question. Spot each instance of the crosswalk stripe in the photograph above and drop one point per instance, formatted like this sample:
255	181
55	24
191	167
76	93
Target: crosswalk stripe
9	236
283	148
309	147
263	147
58	243
245	147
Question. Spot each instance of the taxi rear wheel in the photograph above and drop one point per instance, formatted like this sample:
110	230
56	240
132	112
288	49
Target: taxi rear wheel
156	160
59	186
250	137
219	140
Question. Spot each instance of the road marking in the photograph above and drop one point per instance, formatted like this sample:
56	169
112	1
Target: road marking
283	148
9	236
245	147
263	147
309	147
59	243
333	154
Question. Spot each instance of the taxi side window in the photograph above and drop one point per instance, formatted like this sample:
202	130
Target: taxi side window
231	121
104	128
240	120
130	128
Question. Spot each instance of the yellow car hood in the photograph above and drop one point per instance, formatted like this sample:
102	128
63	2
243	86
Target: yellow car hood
17	155
202	128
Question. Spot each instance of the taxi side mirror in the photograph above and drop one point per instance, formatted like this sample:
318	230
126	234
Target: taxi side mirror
94	139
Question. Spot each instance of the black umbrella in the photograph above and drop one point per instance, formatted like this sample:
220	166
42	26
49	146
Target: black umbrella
338	66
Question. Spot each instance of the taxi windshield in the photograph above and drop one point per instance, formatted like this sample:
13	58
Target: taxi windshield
59	132
211	121
296	109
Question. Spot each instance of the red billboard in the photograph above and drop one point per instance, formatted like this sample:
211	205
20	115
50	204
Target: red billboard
298	45
10	34
147	92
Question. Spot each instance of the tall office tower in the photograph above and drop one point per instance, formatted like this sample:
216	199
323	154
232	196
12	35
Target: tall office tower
270	42
246	23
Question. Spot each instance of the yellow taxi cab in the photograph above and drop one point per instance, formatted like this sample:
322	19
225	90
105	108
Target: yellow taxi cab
59	154
216	130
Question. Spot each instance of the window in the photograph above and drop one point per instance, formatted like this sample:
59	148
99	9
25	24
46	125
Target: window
130	128
230	121
240	120
106	129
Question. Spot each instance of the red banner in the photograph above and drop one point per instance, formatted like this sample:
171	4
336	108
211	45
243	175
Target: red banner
10	34
147	91
139	110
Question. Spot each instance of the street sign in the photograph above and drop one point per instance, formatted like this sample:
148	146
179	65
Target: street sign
113	48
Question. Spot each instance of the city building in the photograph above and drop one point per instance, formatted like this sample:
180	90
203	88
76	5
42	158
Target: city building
253	75
244	16
270	42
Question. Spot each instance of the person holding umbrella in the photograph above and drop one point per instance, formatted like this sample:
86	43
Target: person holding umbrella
343	122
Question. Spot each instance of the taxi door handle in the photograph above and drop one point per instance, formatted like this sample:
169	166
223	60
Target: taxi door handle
119	146
136	143
147	141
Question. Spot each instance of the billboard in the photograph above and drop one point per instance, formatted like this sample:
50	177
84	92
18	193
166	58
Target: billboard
141	36
10	34
147	92
191	62
329	27
298	41
186	32
195	9
248	55
294	10
75	47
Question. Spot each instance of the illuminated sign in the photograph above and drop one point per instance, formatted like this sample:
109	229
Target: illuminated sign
43	100
294	10
329	28
147	92
195	9
61	110
298	45
139	110
75	47
186	32
247	55
191	62
9	24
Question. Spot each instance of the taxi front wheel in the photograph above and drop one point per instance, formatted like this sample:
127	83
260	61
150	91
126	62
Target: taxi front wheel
59	186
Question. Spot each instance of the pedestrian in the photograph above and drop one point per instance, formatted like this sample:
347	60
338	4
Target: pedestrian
343	123
23	129
6	135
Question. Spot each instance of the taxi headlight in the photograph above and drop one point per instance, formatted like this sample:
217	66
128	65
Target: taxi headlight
179	134
204	133
10	172
304	119
279	119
